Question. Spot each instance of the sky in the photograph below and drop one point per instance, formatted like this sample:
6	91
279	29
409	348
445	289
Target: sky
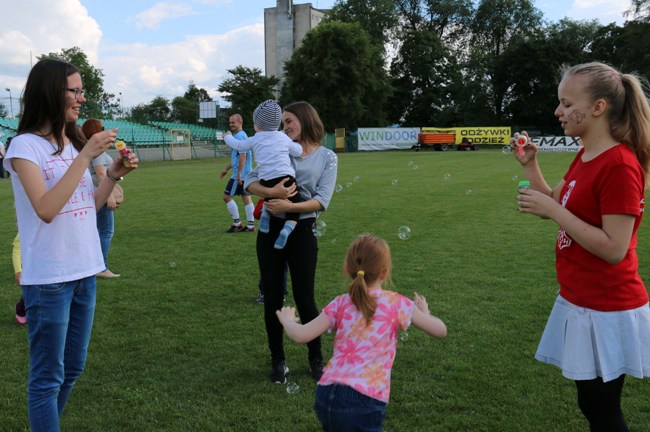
149	48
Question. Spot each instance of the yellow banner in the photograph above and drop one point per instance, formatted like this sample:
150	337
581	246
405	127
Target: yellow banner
499	135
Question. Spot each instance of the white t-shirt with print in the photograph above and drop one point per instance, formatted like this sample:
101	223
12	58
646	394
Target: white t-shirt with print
67	248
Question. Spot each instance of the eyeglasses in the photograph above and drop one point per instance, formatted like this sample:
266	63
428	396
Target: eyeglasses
77	92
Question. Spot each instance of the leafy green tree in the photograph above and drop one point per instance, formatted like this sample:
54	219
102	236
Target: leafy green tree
533	67
196	94
624	47
98	102
157	110
339	71
450	19
378	18
640	10
3	110
497	23
184	110
423	74
245	88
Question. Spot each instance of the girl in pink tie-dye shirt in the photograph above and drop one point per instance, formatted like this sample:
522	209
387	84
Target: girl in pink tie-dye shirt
354	389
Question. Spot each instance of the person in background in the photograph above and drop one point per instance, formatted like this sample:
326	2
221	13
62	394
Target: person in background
316	171
599	328
106	215
60	249
353	392
241	163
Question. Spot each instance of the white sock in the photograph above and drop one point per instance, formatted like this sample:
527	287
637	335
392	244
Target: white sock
232	209
250	208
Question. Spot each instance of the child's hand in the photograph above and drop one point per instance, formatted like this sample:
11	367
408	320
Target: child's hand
421	303
287	314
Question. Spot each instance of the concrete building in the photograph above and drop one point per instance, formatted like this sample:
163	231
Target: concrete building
285	26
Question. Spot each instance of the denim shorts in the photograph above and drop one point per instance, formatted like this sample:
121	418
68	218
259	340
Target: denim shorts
343	409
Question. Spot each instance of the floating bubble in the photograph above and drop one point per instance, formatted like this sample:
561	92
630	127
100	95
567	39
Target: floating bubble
410	164
333	241
404	336
506	149
319	227
348	184
415	167
404	232
293	388
469	192
338	188
446	177
393	182
172	264
356	178
515	177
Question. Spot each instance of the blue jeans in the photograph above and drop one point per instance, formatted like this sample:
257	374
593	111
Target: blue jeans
59	319
105	228
341	408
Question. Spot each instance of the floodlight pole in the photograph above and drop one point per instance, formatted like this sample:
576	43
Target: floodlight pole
122	105
11	104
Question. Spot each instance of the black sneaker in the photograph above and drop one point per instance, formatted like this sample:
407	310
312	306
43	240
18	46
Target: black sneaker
279	371
236	228
260	299
316	367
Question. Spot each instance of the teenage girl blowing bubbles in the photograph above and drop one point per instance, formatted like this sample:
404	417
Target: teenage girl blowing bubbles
353	392
599	329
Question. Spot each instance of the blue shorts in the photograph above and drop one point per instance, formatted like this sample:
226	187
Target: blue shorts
233	188
342	408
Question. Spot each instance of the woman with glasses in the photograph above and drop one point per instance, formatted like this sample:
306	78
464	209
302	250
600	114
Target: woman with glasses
60	250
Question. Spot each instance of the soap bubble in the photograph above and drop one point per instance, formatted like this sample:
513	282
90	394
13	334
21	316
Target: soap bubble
393	182
469	192
410	164
348	184
404	336
333	241
404	232
339	188
506	149
415	167
172	264
356	178
293	388
515	177
318	228
446	177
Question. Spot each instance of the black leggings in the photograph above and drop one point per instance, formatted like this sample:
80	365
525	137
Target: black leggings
600	402
301	254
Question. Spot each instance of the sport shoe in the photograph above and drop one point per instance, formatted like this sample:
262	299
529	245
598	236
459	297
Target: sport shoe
236	228
249	229
260	299
316	367
279	371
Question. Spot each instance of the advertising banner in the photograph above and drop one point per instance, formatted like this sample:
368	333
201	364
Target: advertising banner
387	138
558	144
497	135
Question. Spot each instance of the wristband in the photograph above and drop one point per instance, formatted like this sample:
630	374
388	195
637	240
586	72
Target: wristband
115	180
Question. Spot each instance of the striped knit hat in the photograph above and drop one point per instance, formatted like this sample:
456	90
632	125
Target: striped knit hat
267	116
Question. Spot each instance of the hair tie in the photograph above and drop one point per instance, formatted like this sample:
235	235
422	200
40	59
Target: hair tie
360	273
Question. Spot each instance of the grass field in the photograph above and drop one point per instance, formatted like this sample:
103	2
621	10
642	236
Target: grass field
179	343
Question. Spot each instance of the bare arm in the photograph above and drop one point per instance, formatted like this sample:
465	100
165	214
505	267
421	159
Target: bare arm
242	162
302	333
426	322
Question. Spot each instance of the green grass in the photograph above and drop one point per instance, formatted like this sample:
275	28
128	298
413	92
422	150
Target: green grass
179	344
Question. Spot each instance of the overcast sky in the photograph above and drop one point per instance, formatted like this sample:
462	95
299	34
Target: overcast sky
149	48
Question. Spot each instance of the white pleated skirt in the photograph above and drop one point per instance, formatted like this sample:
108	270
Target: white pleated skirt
587	344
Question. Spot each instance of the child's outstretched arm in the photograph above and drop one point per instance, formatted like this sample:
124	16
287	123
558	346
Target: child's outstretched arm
426	322
302	333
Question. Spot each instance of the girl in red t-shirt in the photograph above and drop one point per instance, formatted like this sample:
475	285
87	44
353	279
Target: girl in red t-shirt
599	328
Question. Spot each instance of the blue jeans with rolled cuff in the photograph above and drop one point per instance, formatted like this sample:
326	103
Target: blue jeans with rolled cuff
59	319
341	408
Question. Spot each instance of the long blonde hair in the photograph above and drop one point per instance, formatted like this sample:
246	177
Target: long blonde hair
628	108
368	256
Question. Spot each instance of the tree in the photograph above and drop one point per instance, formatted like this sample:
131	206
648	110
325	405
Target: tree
339	71
98	102
424	74
196	94
449	19
184	110
157	110
378	18
3	110
245	88
624	47
640	10
497	23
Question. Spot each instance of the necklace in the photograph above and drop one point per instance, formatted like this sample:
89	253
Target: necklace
60	155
